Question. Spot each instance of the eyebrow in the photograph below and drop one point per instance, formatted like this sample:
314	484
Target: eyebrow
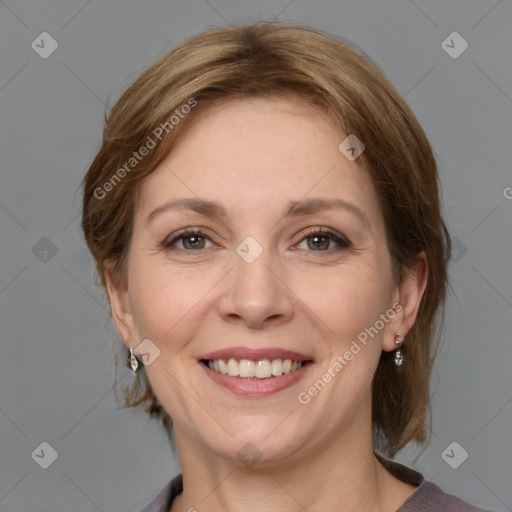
293	209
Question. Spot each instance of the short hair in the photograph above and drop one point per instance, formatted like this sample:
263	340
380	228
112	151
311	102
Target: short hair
266	59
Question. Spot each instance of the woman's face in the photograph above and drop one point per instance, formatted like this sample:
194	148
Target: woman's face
285	264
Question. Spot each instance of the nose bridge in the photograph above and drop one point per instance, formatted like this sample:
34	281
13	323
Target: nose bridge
255	294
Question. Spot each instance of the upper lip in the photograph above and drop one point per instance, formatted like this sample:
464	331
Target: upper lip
255	354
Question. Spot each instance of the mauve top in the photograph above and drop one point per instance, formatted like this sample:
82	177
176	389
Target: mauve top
428	497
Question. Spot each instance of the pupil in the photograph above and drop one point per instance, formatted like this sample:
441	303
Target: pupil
320	242
194	241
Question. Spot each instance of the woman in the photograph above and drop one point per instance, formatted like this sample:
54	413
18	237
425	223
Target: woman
264	215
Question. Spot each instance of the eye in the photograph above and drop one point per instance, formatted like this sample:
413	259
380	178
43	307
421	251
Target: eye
323	240
315	239
191	239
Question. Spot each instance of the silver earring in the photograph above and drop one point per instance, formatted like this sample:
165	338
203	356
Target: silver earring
399	356
133	360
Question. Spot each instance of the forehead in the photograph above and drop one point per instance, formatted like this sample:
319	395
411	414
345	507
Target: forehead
252	152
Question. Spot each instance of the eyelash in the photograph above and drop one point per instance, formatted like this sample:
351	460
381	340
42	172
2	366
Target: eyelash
342	242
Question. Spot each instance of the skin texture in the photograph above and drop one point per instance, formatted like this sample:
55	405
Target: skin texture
254	156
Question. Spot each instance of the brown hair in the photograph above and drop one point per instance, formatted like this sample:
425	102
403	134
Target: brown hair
274	58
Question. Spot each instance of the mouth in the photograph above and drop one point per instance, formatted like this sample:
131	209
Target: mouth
254	369
255	373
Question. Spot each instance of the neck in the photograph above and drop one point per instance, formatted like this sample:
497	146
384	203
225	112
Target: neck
342	474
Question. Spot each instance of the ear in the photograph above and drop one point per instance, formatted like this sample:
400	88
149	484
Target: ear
408	297
121	308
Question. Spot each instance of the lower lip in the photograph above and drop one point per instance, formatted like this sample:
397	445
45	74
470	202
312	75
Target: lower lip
253	387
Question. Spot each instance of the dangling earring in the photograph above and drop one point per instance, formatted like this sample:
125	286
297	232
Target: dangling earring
399	356
133	360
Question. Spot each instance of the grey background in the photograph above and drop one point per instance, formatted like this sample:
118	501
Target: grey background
56	338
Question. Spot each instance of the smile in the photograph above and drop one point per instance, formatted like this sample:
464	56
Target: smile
255	373
261	369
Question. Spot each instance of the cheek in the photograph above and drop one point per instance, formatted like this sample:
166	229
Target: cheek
165	300
349	299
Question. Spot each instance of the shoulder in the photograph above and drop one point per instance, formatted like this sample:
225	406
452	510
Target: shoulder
431	498
428	497
163	500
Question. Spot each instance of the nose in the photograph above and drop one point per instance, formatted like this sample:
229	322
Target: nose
257	295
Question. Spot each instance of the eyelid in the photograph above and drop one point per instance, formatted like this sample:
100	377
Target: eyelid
334	235
171	239
339	238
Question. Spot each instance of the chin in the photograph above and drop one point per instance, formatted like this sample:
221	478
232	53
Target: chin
262	441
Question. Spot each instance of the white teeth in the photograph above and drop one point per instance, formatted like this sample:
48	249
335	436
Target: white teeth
223	366
246	368
296	365
232	368
261	369
277	367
